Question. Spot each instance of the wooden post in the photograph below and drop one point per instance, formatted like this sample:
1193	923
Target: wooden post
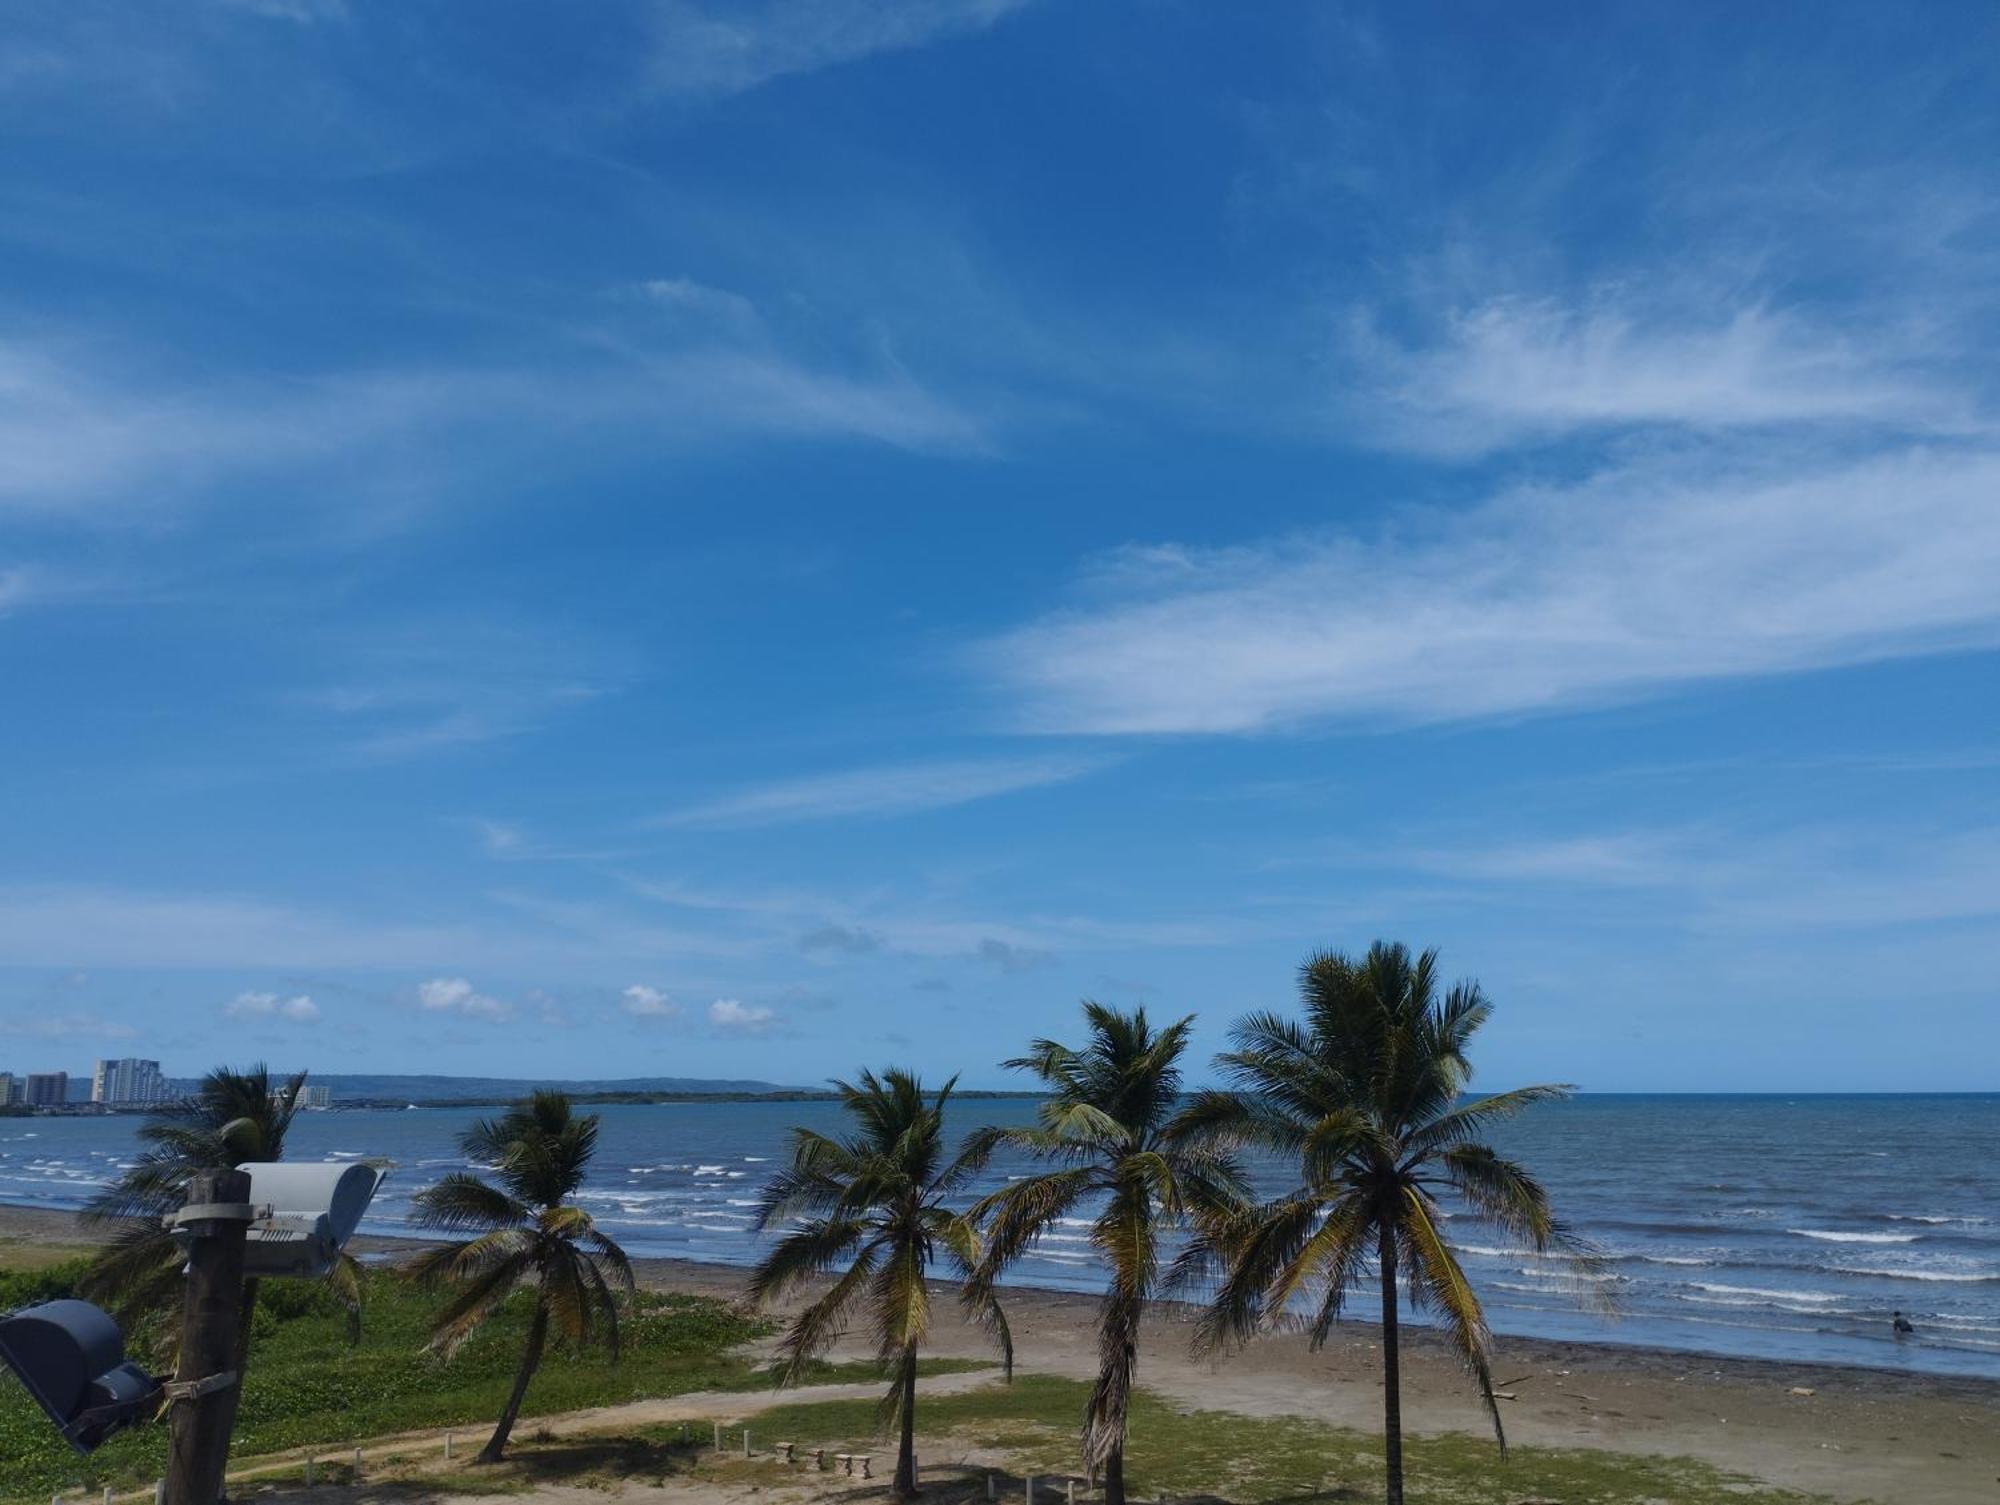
211	1318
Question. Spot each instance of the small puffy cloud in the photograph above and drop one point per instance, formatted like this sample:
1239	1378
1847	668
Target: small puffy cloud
454	995
643	1002
734	1018
298	1009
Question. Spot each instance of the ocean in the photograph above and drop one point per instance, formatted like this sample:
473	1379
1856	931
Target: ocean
1772	1227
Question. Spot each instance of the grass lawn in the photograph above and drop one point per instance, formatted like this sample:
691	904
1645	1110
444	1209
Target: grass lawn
1213	1455
307	1385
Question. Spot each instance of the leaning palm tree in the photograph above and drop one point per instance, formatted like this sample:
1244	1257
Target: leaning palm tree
874	1206
1365	1094
524	1231
1108	1129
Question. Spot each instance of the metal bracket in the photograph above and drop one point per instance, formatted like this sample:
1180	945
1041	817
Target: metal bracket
179	1390
214	1212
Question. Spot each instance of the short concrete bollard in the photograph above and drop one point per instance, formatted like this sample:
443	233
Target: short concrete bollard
160	1492
1031	1489
992	1486
107	1494
746	1442
1069	1492
309	1473
447	1447
357	1465
718	1436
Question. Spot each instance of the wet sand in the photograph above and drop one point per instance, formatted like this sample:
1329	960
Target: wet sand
1862	1434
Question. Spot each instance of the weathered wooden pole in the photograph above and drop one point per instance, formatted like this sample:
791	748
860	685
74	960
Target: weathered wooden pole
211	1317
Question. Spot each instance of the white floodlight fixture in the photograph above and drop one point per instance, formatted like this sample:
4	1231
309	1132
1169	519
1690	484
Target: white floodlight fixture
301	1216
70	1357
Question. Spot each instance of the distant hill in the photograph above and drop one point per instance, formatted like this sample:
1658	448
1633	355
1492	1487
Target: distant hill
364	1087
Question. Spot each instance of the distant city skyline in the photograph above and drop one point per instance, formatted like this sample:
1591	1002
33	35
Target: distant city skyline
750	541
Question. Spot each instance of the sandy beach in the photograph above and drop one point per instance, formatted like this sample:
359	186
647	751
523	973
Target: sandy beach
1861	1434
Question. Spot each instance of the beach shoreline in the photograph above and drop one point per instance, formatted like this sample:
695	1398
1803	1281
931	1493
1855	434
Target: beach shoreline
1855	1433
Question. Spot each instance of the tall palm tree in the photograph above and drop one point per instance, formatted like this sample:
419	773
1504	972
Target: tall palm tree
525	1231
1108	1125
874	1206
1365	1093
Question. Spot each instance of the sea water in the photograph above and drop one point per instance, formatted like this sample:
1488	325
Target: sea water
1776	1227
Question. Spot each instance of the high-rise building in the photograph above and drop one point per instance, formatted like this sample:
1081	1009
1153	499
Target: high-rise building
315	1097
46	1089
10	1089
127	1082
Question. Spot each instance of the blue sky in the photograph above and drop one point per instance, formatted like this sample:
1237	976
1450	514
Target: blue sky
753	539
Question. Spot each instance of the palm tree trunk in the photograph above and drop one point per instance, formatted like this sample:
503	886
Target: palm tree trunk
906	1454
531	1358
1392	1378
1114	1407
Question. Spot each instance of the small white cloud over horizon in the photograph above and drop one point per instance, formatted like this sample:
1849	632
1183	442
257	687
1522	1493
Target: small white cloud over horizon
298	1009
455	995
732	1017
886	790
643	1002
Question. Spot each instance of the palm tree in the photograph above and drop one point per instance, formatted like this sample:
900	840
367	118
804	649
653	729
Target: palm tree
1108	1125
1365	1092
525	1230
874	1206
231	1118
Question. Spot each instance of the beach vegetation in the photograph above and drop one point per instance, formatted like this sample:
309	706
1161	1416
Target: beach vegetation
872	1211
1365	1094
1108	1131
524	1229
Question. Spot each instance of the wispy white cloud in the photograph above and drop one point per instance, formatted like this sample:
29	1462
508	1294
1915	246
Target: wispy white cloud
1636	580
298	1009
56	925
1720	878
710	50
116	436
66	1026
420	686
1514	370
893	789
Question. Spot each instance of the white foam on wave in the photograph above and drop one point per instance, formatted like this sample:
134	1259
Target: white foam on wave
1677	1259
1765	1292
1971	1278
1834	1236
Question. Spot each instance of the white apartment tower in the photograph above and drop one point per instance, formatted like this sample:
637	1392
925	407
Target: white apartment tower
128	1081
